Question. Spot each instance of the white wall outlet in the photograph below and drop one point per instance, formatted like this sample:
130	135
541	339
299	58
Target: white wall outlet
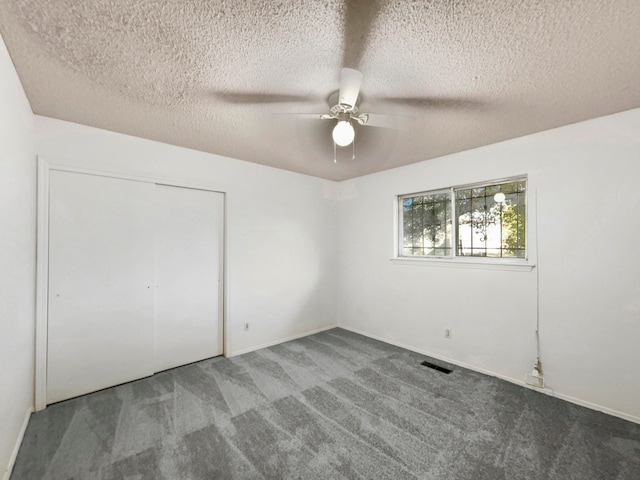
447	333
246	326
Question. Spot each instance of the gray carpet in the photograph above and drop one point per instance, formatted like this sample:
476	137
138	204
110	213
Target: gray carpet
334	405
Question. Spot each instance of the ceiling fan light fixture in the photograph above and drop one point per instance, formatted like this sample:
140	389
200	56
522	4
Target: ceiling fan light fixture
343	133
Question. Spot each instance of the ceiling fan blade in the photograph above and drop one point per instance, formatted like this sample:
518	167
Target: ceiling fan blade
313	116
387	121
350	81
257	98
435	102
359	16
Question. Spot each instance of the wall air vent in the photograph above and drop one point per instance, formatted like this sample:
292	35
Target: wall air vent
436	367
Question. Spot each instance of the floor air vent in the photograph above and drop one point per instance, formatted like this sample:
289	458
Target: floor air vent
436	367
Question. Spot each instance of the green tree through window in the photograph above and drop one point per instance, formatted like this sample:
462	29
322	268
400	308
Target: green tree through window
427	224
490	221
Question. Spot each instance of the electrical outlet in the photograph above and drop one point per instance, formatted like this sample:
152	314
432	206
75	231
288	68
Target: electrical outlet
246	326
447	333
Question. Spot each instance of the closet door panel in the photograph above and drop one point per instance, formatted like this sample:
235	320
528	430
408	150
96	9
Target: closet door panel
101	296
188	303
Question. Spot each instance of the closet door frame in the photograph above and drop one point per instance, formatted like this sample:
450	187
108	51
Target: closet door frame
42	261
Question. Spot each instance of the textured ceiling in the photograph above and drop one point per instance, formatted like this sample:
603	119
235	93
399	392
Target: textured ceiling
210	74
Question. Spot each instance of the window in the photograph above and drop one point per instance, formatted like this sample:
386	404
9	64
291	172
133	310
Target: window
427	224
486	220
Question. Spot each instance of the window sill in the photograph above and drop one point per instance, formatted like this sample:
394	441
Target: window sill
514	266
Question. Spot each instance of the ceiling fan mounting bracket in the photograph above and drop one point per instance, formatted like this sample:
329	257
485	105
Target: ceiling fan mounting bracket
341	109
341	113
346	113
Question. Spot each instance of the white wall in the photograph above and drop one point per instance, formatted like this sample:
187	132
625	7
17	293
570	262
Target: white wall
280	226
585	178
17	259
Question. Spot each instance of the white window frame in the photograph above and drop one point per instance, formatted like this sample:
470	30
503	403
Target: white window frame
507	263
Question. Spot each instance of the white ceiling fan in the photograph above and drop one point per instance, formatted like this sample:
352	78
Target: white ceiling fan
346	113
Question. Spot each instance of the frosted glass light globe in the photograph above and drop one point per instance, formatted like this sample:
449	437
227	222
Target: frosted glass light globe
499	197
343	133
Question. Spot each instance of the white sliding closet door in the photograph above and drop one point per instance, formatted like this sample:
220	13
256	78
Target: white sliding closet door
189	252
101	295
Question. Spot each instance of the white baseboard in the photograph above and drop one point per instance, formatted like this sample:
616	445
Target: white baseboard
277	342
593	406
16	448
547	391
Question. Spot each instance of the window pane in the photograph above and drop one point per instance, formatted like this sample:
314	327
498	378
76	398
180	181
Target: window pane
426	226
493	189
493	223
477	192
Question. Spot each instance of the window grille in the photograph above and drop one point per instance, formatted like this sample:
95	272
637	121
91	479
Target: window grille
486	220
491	220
